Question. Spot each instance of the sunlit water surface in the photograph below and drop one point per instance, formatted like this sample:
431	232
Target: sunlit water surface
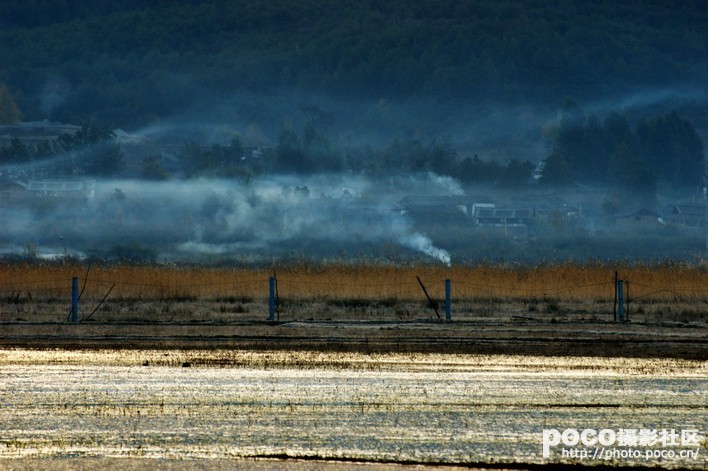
472	409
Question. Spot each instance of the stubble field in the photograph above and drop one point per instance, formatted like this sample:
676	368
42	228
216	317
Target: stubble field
146	408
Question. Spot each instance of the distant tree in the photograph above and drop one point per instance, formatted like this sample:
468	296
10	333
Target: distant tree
315	117
516	174
631	173
616	130
557	171
405	156
412	155
290	156
570	113
152	170
673	148
43	150
235	149
302	191
229	155
15	152
476	170
93	150
442	156
361	160
190	155
466	169
320	154
9	112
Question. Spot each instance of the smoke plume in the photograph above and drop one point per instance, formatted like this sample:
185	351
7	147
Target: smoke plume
195	218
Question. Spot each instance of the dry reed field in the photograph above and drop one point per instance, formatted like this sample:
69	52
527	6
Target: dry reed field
569	281
663	293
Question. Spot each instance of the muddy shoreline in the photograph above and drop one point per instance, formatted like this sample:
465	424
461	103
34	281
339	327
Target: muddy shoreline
522	337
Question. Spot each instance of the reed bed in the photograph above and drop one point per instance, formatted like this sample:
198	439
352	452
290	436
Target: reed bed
566	282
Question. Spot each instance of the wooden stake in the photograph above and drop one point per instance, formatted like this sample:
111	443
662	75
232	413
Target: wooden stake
433	304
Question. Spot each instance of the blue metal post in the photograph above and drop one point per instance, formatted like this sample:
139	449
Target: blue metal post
271	305
620	300
447	299
75	300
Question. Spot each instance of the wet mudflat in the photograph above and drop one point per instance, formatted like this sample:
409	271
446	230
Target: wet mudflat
414	408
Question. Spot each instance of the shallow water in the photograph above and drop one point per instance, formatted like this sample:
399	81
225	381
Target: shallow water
422	408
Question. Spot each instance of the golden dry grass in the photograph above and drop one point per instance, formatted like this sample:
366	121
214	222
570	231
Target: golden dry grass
560	282
222	303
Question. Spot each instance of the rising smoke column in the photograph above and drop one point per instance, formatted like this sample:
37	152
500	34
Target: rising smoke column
422	243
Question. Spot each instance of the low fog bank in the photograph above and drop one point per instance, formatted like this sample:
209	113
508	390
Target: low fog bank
221	203
422	218
269	217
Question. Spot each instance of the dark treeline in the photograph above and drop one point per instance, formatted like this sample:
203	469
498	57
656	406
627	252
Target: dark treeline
314	153
127	63
91	151
94	152
587	151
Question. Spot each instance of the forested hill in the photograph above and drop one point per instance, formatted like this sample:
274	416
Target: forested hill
129	62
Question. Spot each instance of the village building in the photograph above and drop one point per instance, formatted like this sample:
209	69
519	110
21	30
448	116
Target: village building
437	208
32	133
60	188
638	217
685	214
